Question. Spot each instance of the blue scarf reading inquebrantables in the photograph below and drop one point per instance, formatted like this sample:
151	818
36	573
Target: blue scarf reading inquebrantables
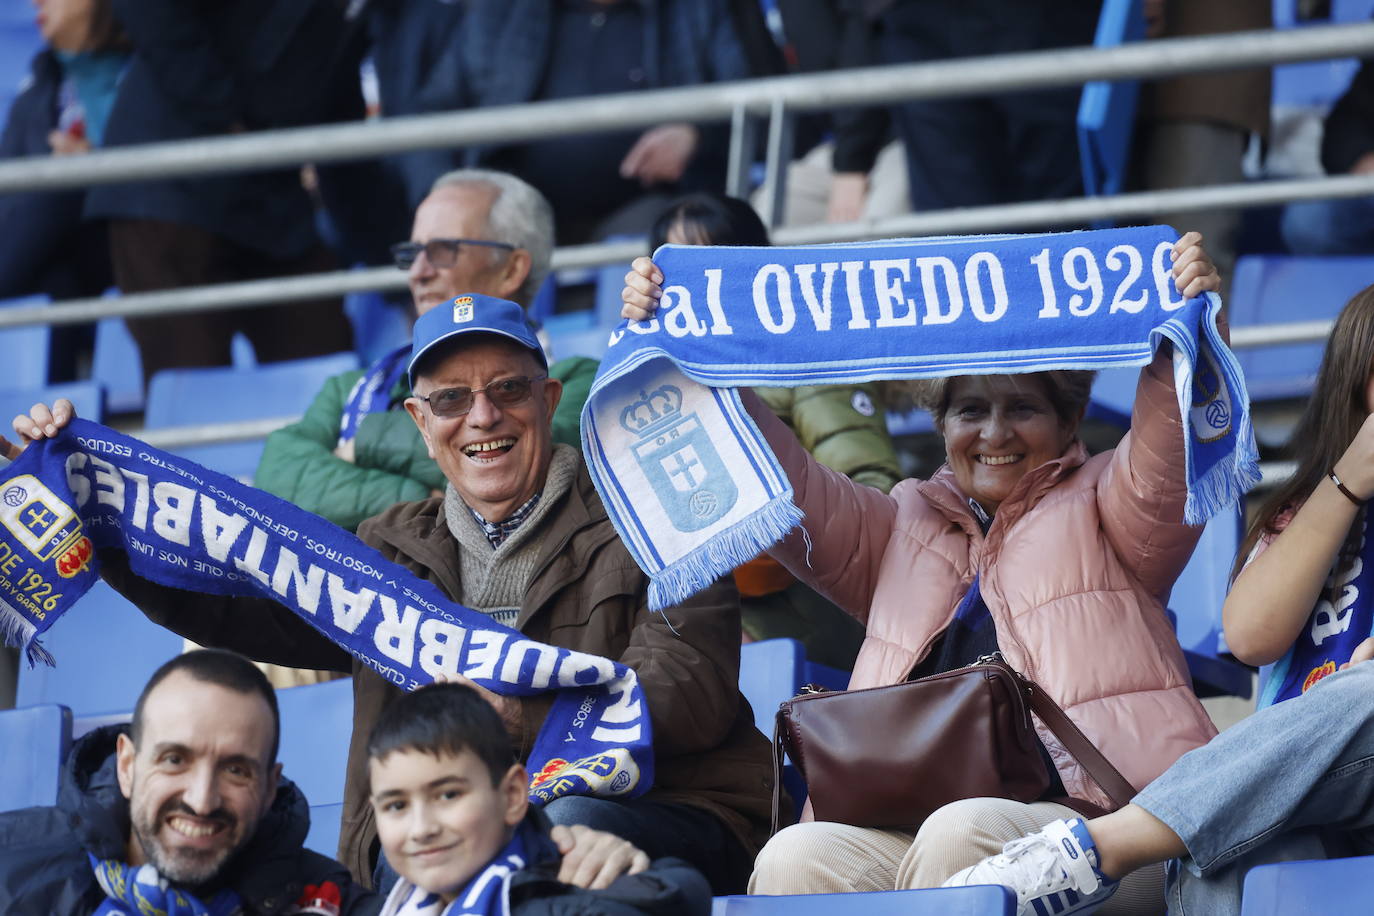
685	475
188	527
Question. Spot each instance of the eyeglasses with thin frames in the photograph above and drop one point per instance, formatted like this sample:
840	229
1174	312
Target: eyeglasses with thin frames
449	403
441	253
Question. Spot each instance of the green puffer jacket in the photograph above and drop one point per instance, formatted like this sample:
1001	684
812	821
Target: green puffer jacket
843	426
391	464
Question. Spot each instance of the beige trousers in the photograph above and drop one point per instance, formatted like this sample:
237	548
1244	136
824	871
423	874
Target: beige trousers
826	858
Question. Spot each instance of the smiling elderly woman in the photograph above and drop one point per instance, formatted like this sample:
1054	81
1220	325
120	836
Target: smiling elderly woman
1021	543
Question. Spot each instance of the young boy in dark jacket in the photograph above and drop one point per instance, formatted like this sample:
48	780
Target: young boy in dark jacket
454	819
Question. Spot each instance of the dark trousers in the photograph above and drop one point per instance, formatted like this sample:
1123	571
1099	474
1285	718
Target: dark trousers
152	255
987	150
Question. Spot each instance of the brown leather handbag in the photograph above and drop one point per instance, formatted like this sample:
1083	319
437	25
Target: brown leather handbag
889	756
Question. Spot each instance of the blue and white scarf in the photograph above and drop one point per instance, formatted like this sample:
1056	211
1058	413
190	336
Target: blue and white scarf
372	392
140	891
487	893
188	527
1342	619
690	483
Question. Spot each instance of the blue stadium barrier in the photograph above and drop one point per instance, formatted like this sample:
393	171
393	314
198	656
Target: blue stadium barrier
1317	888
1106	111
316	722
105	650
985	900
1270	289
1195	603
24	351
87	397
576	334
33	744
325	823
182	397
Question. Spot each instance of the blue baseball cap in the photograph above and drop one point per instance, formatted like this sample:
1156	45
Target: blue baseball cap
472	313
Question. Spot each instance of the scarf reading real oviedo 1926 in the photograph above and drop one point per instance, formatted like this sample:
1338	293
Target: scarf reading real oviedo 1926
688	480
188	527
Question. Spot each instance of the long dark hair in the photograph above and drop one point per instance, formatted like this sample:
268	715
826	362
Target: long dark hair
1334	413
710	219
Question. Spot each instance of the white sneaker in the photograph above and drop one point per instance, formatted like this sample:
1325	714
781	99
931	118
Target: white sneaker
1053	872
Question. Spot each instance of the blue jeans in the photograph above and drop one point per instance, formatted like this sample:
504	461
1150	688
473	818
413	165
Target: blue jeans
1279	786
1342	226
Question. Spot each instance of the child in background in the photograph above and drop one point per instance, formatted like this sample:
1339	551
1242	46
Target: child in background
454	819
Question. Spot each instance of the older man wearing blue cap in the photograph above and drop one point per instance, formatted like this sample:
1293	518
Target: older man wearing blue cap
520	533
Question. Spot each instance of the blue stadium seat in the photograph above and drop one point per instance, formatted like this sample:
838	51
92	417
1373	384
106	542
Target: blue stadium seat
19	42
1106	111
1317	888
24	350
105	650
1272	289
986	900
324	829
1195	603
87	397
33	744
316	722
186	397
379	326
1113	395
773	670
116	364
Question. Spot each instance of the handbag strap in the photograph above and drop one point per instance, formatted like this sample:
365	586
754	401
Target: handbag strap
1098	767
778	752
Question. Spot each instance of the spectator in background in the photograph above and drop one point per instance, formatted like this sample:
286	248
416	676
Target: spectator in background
1345	225
1195	128
61	111
536	50
416	56
843	426
213	69
859	172
356	451
994	149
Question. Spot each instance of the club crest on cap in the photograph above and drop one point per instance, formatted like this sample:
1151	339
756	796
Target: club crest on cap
462	310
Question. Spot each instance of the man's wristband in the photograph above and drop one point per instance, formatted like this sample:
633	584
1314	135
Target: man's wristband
1344	489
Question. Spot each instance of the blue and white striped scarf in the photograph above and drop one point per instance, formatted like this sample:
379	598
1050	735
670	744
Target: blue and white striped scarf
690	483
188	527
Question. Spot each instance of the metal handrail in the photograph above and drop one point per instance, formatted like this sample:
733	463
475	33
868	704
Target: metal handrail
1001	217
714	102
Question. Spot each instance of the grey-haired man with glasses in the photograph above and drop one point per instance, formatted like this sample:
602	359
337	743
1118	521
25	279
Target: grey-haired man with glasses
355	452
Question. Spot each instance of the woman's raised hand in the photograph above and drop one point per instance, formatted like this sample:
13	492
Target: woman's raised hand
1194	272
41	422
642	290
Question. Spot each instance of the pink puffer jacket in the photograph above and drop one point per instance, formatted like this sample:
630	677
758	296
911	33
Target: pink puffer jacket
1075	569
